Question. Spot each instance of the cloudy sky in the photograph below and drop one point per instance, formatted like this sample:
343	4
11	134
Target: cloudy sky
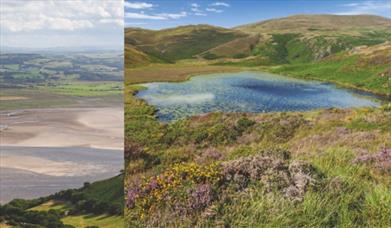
61	23
99	23
157	14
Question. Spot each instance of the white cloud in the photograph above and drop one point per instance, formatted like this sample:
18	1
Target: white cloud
138	5
195	5
144	16
195	8
200	14
367	7
19	16
173	15
220	4
160	16
214	10
61	23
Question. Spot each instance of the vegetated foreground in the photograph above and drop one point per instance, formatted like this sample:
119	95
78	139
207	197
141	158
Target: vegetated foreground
329	167
96	204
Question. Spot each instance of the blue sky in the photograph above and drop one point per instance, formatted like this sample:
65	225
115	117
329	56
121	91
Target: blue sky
158	14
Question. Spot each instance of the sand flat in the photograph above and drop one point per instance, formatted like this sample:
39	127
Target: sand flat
81	127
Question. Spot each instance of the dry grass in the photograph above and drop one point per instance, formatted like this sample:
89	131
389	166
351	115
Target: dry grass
172	73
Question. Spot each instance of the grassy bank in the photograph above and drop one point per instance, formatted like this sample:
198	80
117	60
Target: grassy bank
173	72
345	71
330	168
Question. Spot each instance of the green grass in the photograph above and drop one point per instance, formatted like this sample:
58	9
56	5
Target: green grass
52	205
346	71
109	190
183	42
103	221
85	89
348	195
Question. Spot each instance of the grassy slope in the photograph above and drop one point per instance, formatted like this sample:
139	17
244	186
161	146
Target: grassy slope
309	46
80	220
347	151
109	190
316	24
349	193
172	72
368	69
178	43
92	220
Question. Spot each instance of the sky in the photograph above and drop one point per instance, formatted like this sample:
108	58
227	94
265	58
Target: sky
39	24
99	23
158	14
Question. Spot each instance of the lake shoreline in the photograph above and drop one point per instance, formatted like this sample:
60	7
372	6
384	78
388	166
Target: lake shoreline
268	70
247	91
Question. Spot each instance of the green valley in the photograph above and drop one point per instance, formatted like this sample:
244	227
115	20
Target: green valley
326	167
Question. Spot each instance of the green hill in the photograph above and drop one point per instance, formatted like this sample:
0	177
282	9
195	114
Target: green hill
318	24
98	203
365	68
293	39
183	42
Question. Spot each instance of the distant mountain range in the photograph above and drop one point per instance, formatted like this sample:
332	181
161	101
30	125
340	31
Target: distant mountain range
293	39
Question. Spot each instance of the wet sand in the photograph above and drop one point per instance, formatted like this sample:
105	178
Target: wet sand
43	151
56	127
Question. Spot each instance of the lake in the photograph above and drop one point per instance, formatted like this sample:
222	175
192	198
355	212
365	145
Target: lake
253	92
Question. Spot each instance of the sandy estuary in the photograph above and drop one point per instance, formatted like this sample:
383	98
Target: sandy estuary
47	150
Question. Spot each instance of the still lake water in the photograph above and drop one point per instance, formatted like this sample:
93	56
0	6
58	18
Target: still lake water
253	92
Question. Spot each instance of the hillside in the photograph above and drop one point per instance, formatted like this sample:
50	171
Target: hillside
365	68
317	24
293	39
134	57
320	168
98	203
179	43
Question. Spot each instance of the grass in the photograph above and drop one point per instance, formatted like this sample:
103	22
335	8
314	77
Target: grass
81	220
109	190
347	71
172	72
238	169
87	89
348	194
93	220
183	42
52	205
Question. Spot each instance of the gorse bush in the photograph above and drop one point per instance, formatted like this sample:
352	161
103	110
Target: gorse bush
188	190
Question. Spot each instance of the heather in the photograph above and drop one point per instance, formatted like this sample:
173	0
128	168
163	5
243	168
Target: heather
325	167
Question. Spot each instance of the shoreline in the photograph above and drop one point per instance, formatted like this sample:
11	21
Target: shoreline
386	97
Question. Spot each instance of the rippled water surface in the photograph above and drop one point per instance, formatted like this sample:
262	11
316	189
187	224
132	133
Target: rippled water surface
247	92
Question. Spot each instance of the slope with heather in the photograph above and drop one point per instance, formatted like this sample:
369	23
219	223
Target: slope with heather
320	168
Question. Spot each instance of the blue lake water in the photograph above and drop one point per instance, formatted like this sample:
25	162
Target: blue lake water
253	92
